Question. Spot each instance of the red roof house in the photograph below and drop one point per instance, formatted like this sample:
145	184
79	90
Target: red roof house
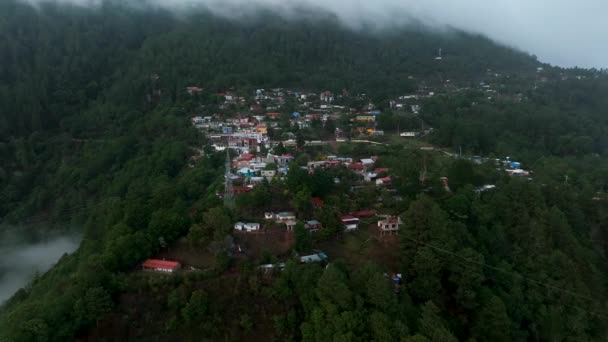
247	156
364	214
317	202
273	115
241	189
356	166
161	265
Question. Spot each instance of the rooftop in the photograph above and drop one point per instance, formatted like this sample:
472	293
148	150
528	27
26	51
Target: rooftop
153	263
348	218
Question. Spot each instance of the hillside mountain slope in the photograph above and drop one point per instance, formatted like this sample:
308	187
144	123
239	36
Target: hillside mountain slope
95	132
67	60
57	59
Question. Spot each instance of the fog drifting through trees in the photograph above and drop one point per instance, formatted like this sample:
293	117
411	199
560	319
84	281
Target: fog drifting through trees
536	27
21	260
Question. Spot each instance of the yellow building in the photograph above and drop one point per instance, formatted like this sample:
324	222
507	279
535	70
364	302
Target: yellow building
365	118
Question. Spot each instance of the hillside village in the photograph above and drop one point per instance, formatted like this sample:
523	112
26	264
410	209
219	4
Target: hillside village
273	171
288	172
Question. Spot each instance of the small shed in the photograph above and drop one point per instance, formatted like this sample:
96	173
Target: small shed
313	225
313	257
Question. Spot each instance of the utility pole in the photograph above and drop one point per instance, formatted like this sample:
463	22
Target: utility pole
229	189
423	172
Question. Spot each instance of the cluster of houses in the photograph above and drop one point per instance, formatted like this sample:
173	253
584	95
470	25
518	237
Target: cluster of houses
250	170
386	224
248	130
253	170
249	134
412	102
513	168
241	134
365	168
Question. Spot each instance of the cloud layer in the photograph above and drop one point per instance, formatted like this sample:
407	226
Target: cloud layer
562	32
21	260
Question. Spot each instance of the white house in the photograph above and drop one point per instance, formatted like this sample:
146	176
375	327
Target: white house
247	227
286	216
327	96
389	224
252	227
350	222
269	216
370	176
367	162
256	180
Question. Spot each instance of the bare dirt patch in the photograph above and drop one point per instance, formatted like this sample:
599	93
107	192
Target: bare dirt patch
188	256
274	241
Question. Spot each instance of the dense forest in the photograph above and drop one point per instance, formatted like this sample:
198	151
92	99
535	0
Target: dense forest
95	133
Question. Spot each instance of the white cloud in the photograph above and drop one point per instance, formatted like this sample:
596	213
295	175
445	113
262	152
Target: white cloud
563	32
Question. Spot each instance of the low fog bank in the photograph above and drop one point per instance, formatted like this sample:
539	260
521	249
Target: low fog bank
22	258
562	32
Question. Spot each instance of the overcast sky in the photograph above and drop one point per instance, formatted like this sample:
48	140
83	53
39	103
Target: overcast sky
562	32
